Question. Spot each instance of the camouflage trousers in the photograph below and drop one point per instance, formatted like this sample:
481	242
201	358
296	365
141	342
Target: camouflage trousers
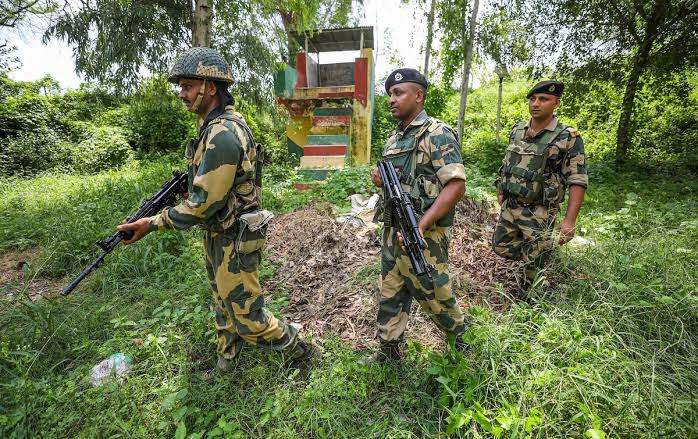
525	233
399	285
238	300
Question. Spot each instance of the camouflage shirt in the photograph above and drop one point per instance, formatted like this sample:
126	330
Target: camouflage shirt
221	167
565	162
426	155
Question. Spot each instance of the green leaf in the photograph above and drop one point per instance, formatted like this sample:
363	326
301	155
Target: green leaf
181	432
594	433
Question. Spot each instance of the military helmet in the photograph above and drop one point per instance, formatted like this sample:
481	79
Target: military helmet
201	63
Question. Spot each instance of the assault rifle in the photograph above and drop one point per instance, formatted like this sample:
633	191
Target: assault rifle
399	213
166	196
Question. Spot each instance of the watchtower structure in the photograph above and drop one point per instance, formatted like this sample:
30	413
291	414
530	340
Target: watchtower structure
330	104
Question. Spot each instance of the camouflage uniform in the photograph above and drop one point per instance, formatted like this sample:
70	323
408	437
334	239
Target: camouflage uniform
224	188
426	156
535	171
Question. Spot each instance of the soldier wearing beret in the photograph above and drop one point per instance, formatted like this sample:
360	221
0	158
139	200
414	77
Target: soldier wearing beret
426	156
224	167
544	159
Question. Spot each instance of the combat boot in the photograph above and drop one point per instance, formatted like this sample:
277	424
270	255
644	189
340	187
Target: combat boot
303	354
389	352
223	366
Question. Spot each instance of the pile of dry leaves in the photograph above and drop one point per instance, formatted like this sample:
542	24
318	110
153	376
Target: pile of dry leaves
330	272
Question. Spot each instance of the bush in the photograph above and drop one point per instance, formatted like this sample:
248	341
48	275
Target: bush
106	147
267	129
382	126
155	119
31	152
348	181
86	103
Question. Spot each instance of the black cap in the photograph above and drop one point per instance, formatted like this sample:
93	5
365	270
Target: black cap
548	87
405	75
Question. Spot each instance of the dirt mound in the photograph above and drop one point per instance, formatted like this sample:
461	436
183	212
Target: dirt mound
330	272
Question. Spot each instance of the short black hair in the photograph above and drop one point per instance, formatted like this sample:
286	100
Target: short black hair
224	94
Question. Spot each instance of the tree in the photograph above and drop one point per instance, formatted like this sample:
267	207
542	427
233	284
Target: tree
114	41
598	37
301	15
468	49
503	39
12	12
430	36
201	23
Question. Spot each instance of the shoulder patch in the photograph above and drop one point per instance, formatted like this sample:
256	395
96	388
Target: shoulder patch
573	132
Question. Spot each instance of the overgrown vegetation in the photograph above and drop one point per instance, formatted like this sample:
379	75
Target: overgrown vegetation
610	351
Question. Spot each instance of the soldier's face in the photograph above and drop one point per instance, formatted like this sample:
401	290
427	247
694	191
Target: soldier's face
542	106
189	90
405	99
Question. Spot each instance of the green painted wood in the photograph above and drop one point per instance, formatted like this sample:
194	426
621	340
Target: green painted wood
284	81
332	111
328	139
315	174
295	152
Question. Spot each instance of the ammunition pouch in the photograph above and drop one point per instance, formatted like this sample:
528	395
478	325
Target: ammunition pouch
252	231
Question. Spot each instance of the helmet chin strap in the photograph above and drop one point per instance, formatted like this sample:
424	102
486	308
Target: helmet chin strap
199	98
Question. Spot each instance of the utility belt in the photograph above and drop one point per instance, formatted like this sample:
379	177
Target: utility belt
514	201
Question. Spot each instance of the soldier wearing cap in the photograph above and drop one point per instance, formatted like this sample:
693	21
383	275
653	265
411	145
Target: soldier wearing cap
224	199
544	158
426	156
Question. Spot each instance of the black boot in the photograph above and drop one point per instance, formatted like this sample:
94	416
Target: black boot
389	351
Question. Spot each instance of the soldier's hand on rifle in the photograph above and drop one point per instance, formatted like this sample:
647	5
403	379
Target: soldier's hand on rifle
376	178
140	228
402	241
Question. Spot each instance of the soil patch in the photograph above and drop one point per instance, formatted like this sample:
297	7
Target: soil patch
330	272
18	275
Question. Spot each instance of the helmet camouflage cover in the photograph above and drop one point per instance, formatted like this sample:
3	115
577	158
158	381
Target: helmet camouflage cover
201	63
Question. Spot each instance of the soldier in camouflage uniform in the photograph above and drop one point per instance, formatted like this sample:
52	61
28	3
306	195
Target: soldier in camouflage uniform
426	156
544	157
224	198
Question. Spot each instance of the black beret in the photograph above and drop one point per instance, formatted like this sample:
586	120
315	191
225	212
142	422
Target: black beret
405	75
548	87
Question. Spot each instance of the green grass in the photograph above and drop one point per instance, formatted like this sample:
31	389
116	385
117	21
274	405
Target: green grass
612	351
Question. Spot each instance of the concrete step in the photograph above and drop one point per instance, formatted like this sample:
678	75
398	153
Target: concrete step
324	150
329	129
331	121
322	162
327	139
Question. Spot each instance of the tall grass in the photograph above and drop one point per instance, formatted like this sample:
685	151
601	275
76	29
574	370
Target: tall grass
610	351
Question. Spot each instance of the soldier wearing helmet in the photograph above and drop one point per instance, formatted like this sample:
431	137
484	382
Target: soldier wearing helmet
544	158
224	166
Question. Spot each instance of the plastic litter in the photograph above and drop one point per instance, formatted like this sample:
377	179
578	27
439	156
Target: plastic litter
362	210
117	365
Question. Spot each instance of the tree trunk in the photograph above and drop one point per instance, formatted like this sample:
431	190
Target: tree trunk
201	23
287	20
430	35
499	108
639	63
466	69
